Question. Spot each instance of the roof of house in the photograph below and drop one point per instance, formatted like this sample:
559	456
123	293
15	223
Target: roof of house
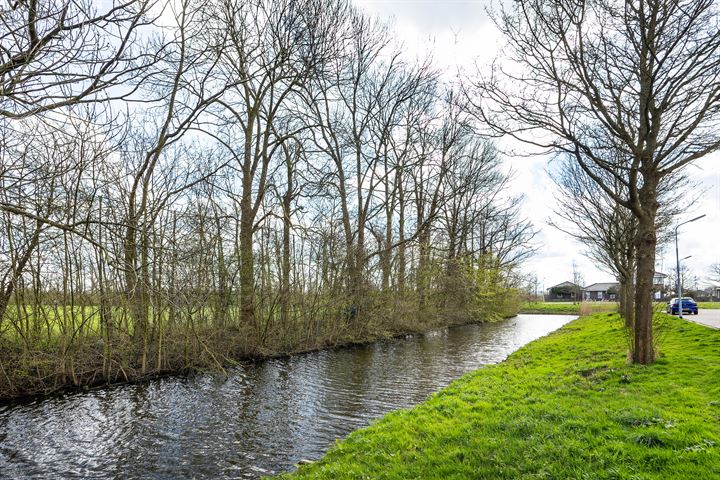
566	284
660	274
600	287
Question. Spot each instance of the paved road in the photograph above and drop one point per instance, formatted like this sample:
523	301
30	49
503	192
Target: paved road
710	318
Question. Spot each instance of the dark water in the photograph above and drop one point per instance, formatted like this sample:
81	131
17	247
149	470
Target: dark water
261	420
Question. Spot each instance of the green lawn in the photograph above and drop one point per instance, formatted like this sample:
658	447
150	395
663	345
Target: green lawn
567	406
709	305
568	308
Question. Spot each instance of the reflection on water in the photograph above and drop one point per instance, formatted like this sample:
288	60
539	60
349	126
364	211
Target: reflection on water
261	419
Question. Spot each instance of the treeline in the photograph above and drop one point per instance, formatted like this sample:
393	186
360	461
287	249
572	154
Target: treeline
190	183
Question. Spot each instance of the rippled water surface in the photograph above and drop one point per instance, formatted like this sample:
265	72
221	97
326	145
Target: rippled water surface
262	419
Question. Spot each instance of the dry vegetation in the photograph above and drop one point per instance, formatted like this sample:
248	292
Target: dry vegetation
184	184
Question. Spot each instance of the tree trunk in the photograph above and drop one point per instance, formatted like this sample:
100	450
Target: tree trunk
357	282
626	280
6	291
423	273
285	287
223	294
386	255
135	294
144	300
627	305
645	243
247	270
401	260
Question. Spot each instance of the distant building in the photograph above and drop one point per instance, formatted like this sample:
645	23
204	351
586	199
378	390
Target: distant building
660	286
601	291
659	279
564	291
708	294
610	290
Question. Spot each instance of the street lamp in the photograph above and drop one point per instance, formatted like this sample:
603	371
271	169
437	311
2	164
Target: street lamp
677	257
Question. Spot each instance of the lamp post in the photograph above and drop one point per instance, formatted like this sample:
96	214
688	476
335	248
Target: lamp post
679	278
677	258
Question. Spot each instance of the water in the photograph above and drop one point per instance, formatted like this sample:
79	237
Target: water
260	420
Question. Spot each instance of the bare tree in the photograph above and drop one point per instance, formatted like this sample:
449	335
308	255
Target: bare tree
688	280
715	272
60	53
608	230
269	48
358	108
57	55
44	172
283	169
182	80
644	74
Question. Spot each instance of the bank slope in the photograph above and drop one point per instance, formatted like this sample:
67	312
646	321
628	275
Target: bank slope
566	406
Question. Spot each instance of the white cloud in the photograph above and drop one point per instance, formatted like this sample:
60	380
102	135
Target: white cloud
455	32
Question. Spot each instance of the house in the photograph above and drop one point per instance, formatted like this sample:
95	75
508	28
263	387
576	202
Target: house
708	294
610	290
659	285
601	291
564	291
659	279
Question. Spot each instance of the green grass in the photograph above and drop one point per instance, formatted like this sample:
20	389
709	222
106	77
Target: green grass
568	308
567	406
53	321
709	305
50	321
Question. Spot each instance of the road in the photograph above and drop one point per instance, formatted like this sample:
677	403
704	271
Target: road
709	318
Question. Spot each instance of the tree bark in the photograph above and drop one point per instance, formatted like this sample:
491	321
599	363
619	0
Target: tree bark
8	289
247	269
223	294
646	243
423	270
285	287
627	305
401	256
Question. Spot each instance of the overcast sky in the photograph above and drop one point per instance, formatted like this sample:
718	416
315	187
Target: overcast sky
459	34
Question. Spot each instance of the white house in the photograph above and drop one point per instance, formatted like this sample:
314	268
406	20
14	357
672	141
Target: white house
659	280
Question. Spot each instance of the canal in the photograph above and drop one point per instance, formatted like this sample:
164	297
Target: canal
261	419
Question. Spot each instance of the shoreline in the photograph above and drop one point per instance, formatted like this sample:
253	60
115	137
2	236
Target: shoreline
564	406
69	388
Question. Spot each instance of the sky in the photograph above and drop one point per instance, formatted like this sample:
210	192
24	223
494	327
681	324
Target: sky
459	35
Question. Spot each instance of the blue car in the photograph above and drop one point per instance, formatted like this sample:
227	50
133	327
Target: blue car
688	306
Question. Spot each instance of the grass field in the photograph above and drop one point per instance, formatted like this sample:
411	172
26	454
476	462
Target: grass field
567	406
588	308
709	305
568	308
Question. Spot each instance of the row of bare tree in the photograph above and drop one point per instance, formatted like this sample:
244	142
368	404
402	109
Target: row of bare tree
189	182
628	92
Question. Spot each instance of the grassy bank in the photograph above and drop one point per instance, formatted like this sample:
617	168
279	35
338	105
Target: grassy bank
567	406
568	308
